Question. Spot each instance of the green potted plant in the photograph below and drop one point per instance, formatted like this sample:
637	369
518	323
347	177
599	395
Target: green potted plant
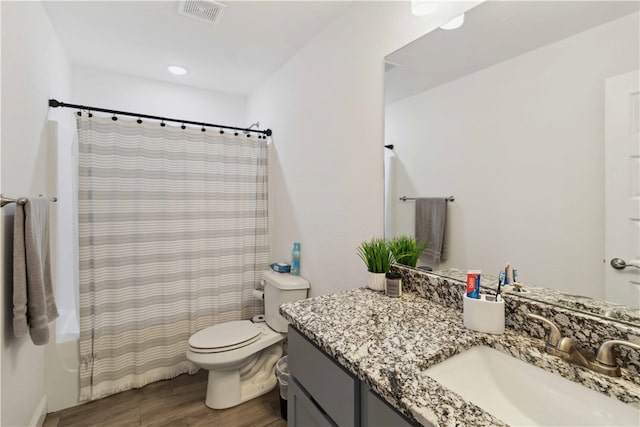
378	258
406	250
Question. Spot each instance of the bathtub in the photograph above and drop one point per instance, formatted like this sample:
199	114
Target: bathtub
62	353
62	362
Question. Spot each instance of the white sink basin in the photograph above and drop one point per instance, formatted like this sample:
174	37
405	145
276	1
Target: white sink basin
521	394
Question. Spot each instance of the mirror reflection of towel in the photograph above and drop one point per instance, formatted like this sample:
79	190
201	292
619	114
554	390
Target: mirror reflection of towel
431	219
33	302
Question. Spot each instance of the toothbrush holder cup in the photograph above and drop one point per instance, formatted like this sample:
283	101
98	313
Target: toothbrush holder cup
483	315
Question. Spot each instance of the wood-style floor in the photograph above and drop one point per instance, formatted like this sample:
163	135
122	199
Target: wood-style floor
176	402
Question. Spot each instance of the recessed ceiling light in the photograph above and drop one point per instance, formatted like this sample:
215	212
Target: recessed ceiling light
454	23
177	70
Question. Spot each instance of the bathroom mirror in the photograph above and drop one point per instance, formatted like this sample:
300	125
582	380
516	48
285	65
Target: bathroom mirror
507	115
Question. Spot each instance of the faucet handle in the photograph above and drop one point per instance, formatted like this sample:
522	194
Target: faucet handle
554	332
606	355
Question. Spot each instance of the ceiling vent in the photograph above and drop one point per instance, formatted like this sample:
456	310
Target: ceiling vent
203	10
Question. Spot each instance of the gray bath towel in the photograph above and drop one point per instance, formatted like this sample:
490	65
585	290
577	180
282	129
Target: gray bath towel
431	218
33	302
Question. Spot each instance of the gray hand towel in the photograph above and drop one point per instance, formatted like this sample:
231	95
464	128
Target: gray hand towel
431	218
33	302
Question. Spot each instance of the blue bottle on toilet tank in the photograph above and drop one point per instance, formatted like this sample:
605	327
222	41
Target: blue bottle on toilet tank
295	259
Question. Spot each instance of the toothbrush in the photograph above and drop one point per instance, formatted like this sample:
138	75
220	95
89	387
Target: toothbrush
500	281
515	275
507	274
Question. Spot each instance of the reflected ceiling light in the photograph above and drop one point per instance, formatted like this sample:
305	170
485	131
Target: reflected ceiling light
177	70
422	8
454	23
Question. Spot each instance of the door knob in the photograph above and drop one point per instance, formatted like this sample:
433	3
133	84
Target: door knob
620	264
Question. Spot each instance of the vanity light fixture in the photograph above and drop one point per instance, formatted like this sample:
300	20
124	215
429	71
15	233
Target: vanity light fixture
177	70
454	23
422	8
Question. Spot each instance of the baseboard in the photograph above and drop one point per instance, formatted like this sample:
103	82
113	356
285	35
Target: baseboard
40	414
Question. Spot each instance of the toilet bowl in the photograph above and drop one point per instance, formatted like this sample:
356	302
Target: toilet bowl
241	355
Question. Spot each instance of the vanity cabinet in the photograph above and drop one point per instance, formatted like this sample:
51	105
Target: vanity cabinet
324	382
375	412
302	410
322	393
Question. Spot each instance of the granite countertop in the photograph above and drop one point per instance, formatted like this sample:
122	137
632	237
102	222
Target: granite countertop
390	342
605	309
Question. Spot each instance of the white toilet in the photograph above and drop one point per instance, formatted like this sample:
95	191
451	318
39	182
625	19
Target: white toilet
241	355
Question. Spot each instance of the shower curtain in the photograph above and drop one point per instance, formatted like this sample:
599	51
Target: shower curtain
172	238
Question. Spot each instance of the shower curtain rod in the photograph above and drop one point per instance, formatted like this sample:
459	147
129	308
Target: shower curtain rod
55	104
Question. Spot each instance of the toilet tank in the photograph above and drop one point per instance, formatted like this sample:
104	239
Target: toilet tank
278	289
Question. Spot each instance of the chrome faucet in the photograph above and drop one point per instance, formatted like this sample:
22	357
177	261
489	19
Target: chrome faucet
568	349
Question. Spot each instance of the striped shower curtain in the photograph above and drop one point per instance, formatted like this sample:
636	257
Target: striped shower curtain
172	238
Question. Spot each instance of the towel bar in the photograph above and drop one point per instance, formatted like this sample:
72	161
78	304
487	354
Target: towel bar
20	200
405	198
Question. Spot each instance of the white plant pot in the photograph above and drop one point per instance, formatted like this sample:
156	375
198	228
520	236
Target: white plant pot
376	281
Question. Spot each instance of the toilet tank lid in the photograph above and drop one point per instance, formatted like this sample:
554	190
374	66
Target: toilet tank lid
285	280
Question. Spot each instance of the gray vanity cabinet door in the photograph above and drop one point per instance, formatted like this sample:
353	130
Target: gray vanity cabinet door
302	412
329	385
376	413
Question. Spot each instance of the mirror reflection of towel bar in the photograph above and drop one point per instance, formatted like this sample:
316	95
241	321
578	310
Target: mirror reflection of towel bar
405	198
20	200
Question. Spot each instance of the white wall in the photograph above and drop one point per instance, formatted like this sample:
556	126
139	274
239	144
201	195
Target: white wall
325	106
529	131
107	89
34	68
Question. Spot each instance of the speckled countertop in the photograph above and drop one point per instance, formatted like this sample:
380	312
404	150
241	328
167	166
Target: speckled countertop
390	342
607	310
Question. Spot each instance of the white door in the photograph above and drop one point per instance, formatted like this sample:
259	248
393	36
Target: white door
622	189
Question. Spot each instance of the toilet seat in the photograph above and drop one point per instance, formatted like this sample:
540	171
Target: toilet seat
224	337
